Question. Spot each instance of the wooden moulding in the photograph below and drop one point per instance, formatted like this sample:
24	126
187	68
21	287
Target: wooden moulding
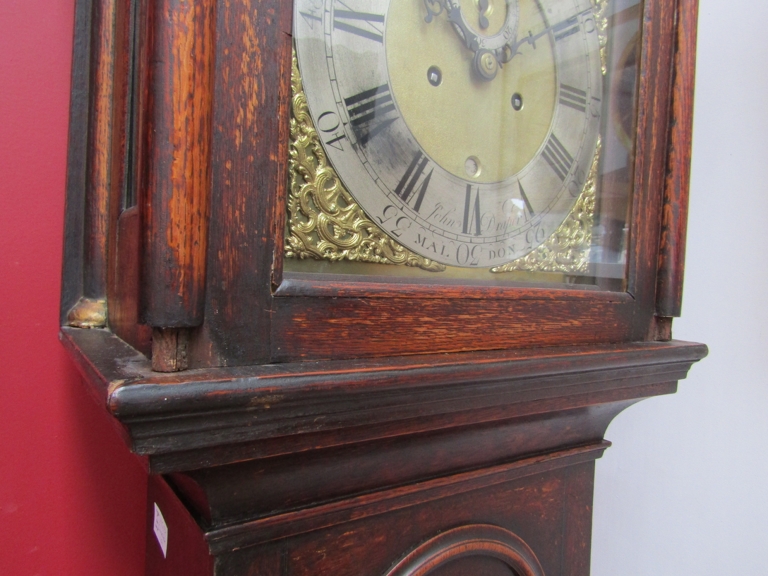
96	141
178	147
549	511
654	87
472	540
669	289
105	98
77	163
179	420
249	175
338	513
274	453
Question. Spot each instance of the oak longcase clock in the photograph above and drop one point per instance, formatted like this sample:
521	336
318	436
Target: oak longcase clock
367	280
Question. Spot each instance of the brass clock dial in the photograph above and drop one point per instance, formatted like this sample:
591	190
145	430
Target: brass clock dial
464	128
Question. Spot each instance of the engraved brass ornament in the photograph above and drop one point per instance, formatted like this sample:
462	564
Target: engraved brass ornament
600	8
567	250
326	223
324	220
88	313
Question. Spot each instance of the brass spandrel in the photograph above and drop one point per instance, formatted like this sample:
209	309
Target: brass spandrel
324	221
600	8
567	250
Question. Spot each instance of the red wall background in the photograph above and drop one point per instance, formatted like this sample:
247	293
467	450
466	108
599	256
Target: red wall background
72	498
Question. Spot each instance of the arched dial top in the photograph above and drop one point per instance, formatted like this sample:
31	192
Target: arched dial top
464	128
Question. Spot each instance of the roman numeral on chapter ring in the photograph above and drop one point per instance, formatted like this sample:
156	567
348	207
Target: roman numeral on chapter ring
368	110
524	196
566	28
573	98
557	157
406	188
310	18
472	212
346	21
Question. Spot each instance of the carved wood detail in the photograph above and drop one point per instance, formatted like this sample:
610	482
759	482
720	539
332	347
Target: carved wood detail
471	540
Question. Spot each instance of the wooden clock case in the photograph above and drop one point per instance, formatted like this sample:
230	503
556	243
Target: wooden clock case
301	424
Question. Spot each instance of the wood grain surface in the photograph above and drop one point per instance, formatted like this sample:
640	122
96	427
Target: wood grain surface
250	156
223	276
176	205
328	425
669	291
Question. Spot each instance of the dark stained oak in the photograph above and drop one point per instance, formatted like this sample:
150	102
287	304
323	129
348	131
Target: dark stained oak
473	541
249	176
656	67
232	161
344	286
77	162
125	284
532	508
104	124
176	204
96	160
317	328
669	291
302	424
301	453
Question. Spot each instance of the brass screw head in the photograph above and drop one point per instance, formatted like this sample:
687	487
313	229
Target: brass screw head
485	65
489	63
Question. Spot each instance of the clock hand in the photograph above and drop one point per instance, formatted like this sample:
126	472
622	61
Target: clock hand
483	6
511	49
453	11
455	17
486	61
432	11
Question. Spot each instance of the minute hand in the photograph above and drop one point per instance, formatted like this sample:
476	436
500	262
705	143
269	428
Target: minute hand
559	28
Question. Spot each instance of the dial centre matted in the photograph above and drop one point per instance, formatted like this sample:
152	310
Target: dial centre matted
463	116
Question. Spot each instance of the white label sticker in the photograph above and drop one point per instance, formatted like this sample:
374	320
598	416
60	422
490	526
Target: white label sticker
161	530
